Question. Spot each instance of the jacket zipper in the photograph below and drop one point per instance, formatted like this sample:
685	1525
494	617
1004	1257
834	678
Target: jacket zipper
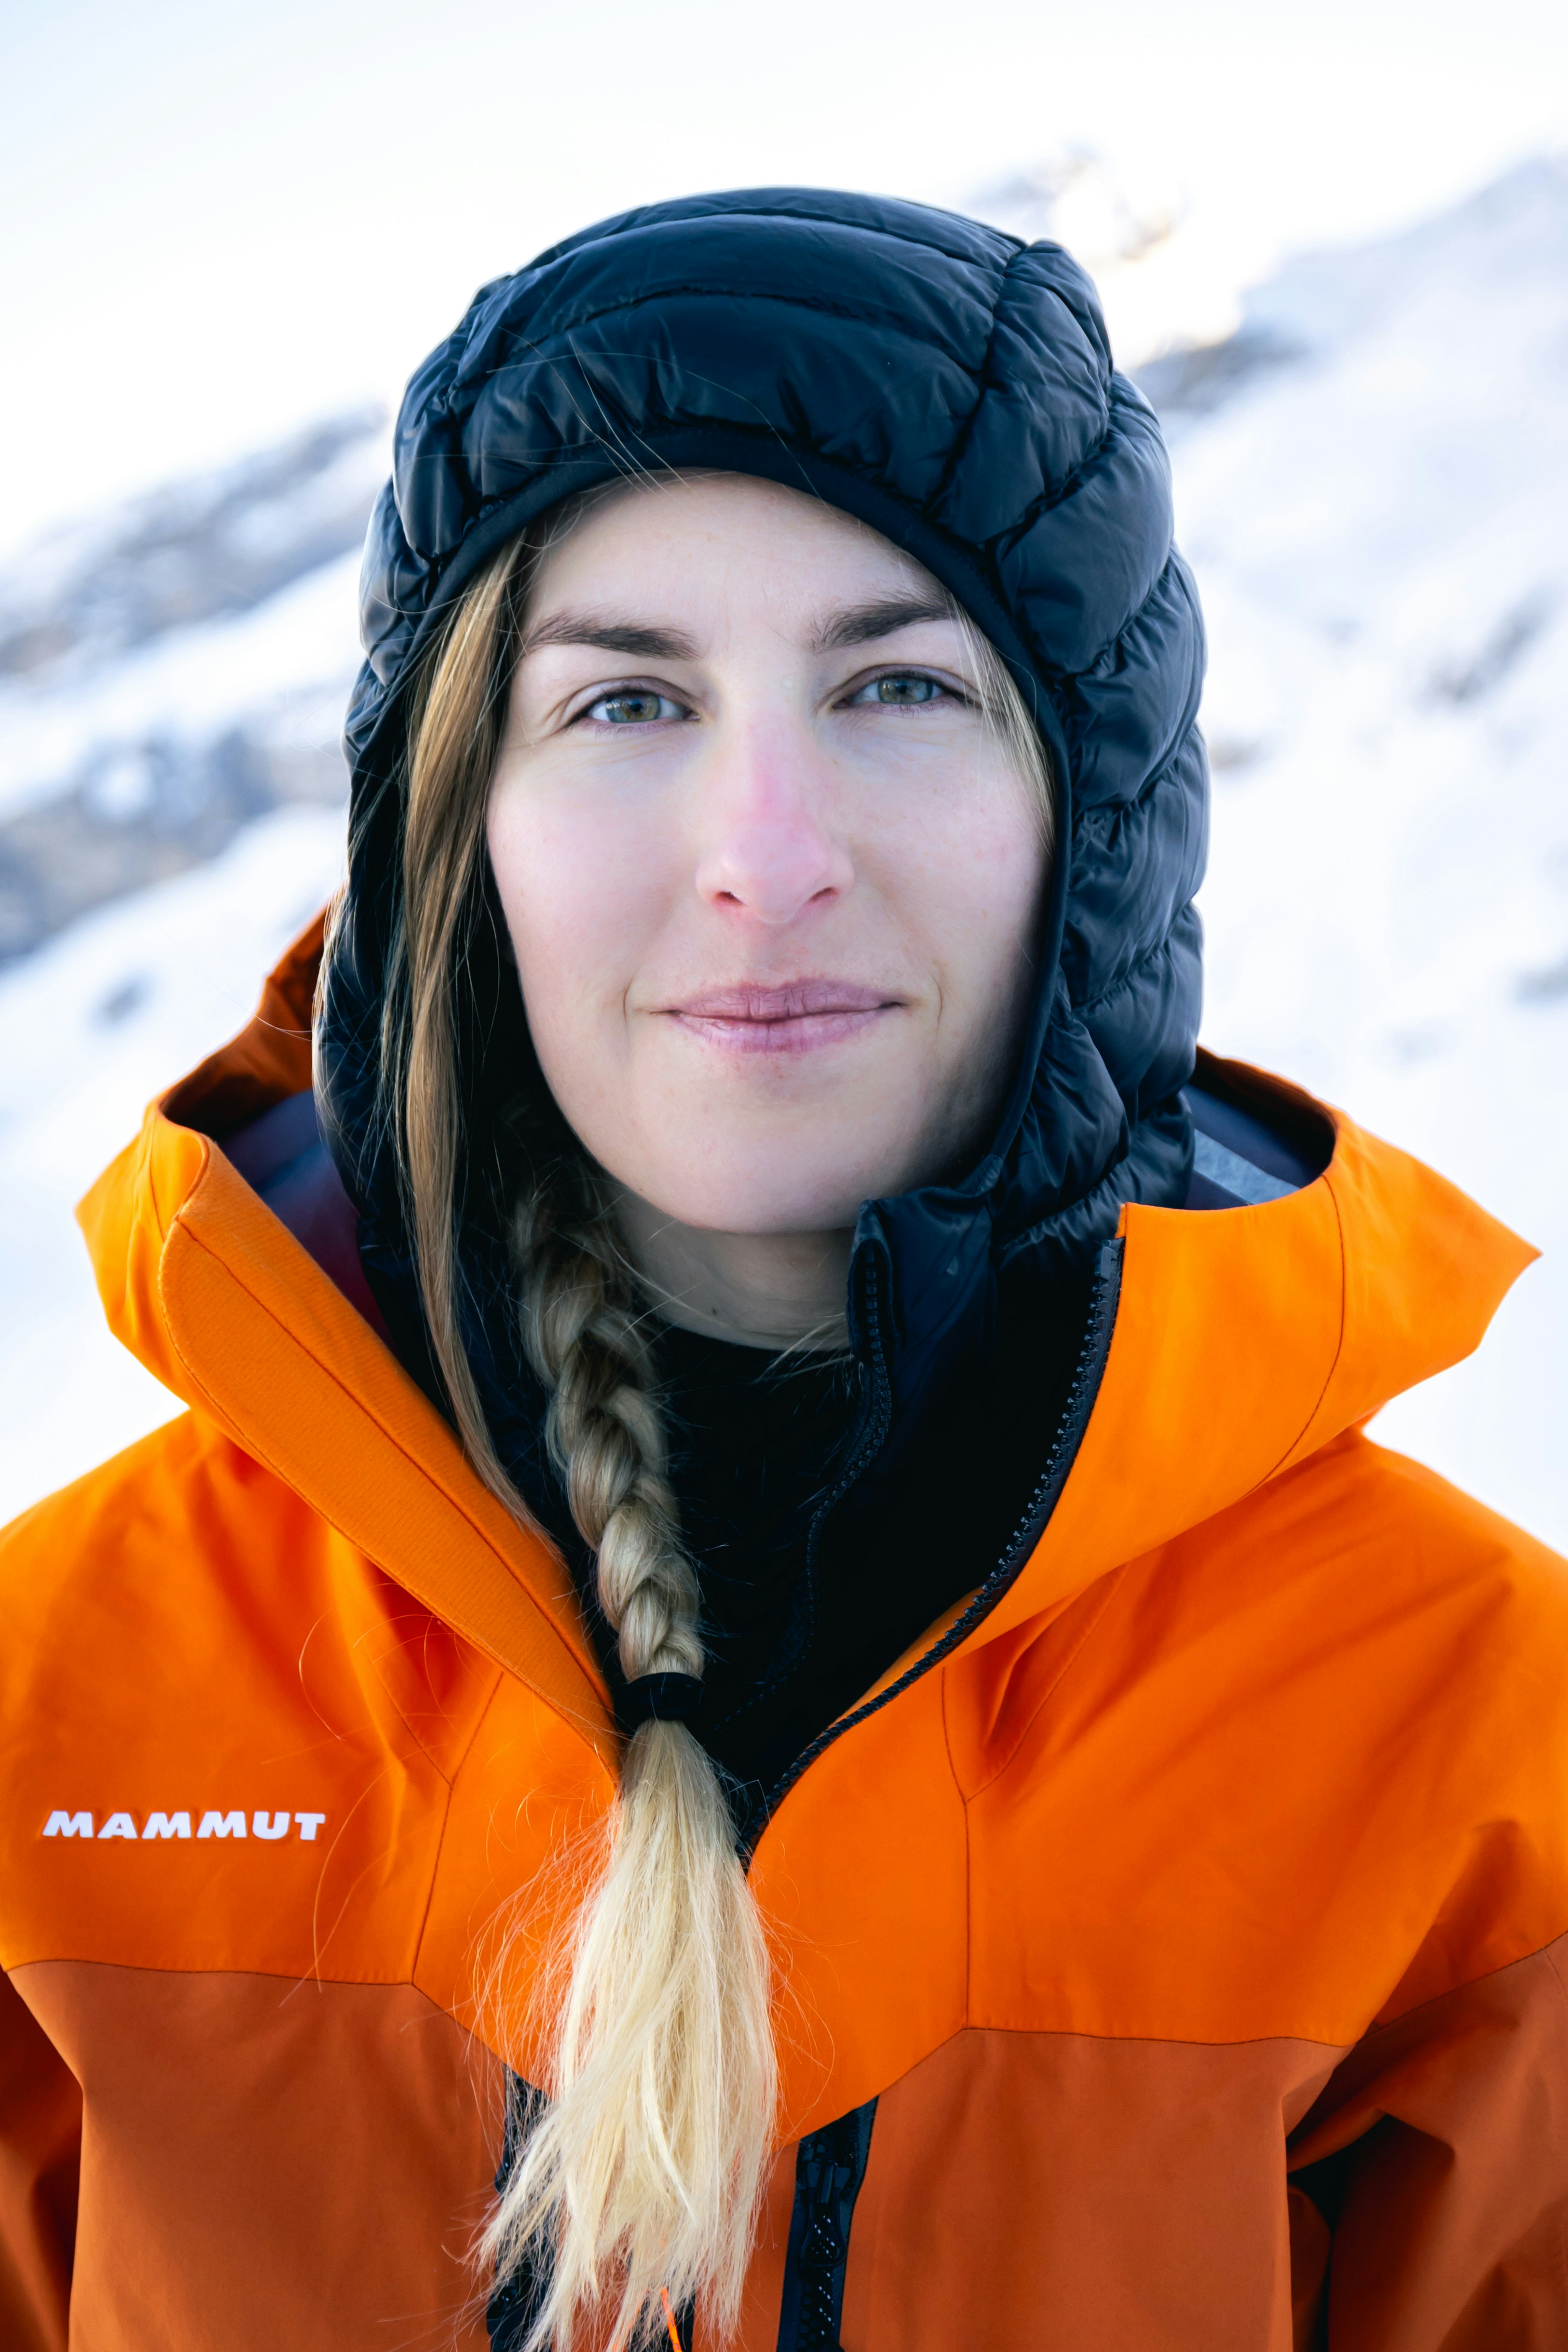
876	1436
830	2164
829	2168
1105	1290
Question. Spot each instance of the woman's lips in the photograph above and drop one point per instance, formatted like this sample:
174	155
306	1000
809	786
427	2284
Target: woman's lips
789	1018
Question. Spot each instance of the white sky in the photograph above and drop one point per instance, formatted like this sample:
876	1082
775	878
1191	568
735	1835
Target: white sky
222	220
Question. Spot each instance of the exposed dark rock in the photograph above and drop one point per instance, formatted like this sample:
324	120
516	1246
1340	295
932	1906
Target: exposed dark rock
1196	381
151	811
126	813
1466	681
196	550
1548	987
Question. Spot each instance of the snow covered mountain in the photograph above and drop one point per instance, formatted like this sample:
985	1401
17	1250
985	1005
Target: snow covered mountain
1379	522
1371	479
169	672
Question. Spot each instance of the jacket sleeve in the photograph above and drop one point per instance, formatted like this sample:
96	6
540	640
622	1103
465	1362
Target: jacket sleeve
1435	2162
40	2154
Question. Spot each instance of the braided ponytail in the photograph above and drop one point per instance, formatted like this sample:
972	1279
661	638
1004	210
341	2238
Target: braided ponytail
644	2175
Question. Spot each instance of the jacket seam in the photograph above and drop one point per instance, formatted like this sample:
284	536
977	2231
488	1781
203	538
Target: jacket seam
944	1673
1057	495
537	338
1328	1185
181	1224
467	1748
144	1170
1549	1954
1541	1952
145	1176
1124	980
1102	814
1129	972
447	1773
290	1977
1171	568
1161	2040
1110	1580
424	1927
962	437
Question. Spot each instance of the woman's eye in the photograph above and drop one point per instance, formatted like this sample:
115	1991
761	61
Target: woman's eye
899	690
633	706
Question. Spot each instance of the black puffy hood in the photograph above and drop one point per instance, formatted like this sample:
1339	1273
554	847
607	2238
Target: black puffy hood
953	388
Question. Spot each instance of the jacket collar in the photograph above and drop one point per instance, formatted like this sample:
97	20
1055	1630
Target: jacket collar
1244	1340
220	1302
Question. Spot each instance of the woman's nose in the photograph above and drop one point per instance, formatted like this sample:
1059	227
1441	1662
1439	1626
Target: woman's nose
770	849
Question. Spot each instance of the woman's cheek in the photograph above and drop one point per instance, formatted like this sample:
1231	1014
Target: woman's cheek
970	886
583	892
575	880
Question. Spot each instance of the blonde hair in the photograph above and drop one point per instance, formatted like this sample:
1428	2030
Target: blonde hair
642	2176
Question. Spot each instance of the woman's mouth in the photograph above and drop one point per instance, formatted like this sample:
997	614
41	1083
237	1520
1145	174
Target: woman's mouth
791	1018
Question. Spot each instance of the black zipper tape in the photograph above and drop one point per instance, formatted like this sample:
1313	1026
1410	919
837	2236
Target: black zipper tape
828	2171
510	2314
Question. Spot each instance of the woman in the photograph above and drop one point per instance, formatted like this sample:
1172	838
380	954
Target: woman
774	1530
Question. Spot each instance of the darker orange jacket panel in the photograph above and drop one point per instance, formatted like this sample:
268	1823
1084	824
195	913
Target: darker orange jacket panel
1242	1814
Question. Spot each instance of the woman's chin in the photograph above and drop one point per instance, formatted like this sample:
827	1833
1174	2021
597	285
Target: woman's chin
749	1199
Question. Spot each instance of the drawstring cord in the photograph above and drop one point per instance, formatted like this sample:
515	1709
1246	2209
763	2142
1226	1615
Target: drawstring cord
669	2318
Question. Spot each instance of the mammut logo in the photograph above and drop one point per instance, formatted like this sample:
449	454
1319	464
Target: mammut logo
269	1826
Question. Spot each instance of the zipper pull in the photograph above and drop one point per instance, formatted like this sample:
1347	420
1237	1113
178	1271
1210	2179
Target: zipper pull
828	2172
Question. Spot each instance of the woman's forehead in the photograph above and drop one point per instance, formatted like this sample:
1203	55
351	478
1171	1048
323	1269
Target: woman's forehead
698	534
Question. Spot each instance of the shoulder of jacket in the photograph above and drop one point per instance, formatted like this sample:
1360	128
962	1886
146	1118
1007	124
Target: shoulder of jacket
1431	1603
1374	1492
1366	1581
185	1492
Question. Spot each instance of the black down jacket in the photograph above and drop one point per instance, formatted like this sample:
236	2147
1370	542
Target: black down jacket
953	388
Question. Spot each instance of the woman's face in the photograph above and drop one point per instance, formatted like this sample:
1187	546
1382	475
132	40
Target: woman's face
772	885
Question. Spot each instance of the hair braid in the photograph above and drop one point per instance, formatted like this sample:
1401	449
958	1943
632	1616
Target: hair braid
646	2172
605	1434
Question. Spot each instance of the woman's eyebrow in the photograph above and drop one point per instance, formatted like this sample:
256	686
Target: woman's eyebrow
611	635
857	625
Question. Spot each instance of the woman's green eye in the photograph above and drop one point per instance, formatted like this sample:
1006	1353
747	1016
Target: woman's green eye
899	690
634	706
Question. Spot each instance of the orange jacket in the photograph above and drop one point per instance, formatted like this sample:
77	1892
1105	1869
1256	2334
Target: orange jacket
1193	1924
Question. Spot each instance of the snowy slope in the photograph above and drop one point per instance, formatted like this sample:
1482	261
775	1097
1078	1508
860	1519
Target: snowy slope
95	1024
1371	483
1381	532
171	670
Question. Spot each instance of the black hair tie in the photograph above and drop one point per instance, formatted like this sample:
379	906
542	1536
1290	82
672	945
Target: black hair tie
658	1698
